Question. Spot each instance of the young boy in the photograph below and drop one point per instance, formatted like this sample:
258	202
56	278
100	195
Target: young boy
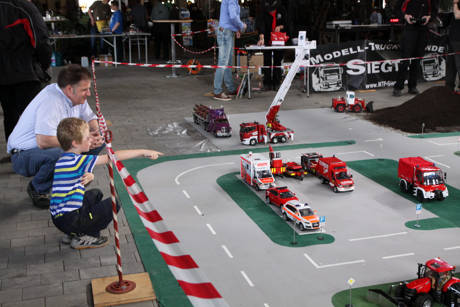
81	214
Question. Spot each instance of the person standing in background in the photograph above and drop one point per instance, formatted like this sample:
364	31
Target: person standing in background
116	27
453	61
229	24
139	16
417	14
271	17
99	15
161	31
25	55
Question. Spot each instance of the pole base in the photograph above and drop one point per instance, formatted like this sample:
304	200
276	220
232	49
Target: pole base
120	287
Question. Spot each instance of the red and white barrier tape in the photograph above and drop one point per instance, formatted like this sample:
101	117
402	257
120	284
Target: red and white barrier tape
191	33
191	51
196	287
356	62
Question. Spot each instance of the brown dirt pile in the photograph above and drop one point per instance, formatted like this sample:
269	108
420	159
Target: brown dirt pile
437	107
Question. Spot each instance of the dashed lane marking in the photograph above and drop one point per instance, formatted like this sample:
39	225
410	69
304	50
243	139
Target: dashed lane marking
434	161
197	168
247	279
227	251
332	264
354	152
198	210
186	194
451	248
374	140
379	236
398	256
211	229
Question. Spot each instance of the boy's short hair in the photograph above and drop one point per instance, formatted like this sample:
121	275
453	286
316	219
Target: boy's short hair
114	3
69	130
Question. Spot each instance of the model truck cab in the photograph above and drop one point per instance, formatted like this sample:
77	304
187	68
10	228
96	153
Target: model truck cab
422	179
253	133
255	171
212	120
334	171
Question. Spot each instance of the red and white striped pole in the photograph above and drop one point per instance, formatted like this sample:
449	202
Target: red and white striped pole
121	286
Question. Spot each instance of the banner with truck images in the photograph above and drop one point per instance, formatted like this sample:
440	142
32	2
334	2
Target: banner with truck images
368	65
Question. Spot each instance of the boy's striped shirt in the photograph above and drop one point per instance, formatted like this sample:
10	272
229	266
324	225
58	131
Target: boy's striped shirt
68	191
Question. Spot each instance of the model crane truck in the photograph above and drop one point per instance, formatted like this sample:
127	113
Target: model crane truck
422	179
212	120
273	131
255	171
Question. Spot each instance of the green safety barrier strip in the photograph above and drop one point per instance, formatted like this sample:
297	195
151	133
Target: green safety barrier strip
274	226
165	285
434	135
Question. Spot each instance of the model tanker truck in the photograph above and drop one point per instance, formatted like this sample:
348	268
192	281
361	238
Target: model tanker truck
422	179
212	120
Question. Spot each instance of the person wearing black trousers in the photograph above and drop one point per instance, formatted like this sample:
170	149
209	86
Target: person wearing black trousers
417	14
453	61
271	17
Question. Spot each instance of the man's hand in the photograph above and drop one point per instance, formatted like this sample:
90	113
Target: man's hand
96	139
238	34
409	19
245	26
152	154
87	178
278	28
426	19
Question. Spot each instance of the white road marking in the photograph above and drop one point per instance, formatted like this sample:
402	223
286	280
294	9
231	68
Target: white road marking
186	194
429	159
375	140
227	251
247	279
211	229
266	305
442	144
197	168
436	156
451	248
397	256
353	152
198	210
379	236
332	264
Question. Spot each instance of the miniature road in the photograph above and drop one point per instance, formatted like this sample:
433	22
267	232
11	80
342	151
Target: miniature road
372	244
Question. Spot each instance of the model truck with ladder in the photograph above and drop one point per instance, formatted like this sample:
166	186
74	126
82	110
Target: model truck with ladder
212	120
255	171
330	170
252	133
422	179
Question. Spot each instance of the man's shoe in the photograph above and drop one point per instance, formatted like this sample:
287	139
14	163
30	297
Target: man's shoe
41	201
397	93
88	242
232	94
414	91
222	97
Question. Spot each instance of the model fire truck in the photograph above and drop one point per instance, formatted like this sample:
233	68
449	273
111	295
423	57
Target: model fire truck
255	171
351	104
422	179
212	120
254	133
288	169
330	170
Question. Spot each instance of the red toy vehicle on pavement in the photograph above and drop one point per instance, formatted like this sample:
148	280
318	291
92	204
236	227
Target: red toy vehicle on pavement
278	196
422	179
435	283
331	170
309	161
255	171
255	133
288	169
351	104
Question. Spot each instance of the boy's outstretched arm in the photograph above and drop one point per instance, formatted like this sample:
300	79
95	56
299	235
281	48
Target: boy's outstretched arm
130	153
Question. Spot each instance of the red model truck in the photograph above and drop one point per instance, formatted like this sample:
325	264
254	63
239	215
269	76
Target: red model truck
255	133
330	170
422	179
351	104
288	169
212	120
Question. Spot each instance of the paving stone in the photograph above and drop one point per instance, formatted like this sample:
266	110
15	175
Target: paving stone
28	303
29	241
42	291
70	264
27	225
77	286
5	244
64	253
20	282
10	295
53	277
133	268
29	259
68	300
104	271
57	266
140	304
14	271
96	252
41	250
125	258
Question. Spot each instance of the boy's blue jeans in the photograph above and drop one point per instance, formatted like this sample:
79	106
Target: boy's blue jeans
40	164
225	42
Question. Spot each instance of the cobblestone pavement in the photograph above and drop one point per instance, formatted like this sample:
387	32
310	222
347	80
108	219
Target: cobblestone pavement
147	110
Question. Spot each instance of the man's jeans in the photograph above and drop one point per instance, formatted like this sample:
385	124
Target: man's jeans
40	163
225	43
94	51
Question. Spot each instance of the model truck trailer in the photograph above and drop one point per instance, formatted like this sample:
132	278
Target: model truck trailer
421	178
212	120
254	133
333	171
255	171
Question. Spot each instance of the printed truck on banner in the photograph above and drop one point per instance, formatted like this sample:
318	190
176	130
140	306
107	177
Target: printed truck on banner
327	79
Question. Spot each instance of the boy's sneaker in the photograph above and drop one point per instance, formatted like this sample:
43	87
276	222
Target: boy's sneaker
222	97
67	239
88	242
41	201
